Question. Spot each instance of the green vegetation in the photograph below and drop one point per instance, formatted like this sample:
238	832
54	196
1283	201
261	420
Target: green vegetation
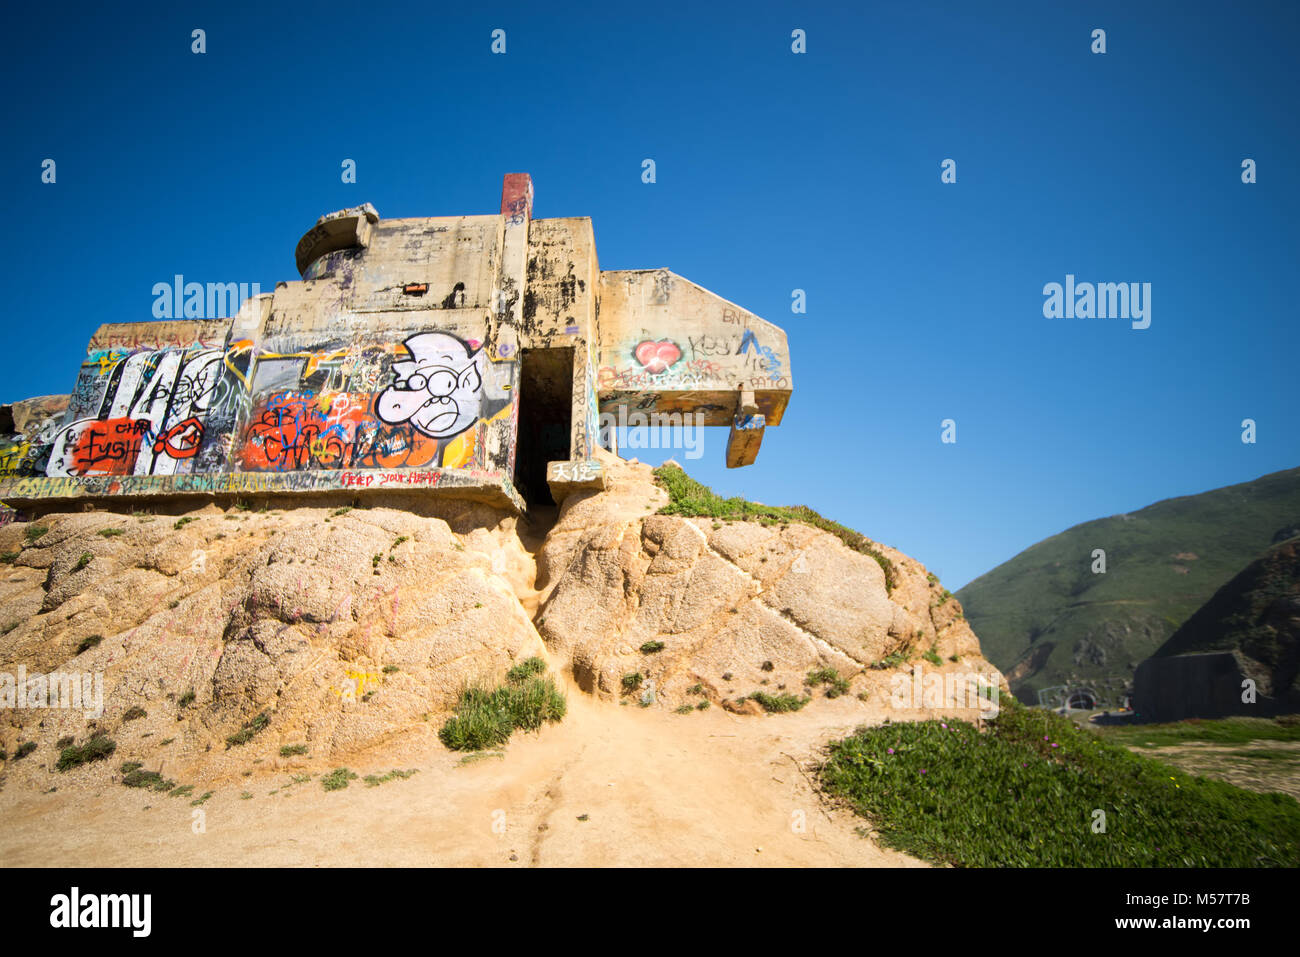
34	532
290	750
97	748
198	801
1025	792
90	641
1220	731
134	713
111	532
374	780
633	681
1047	607
8	558
891	661
693	499
24	749
134	776
341	511
337	779
184	790
247	732
486	718
932	656
684	709
186	699
391	669
182	522
695	689
83	561
779	703
652	647
397	541
525	670
837	685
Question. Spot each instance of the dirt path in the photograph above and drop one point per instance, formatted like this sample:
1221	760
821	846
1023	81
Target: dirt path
657	789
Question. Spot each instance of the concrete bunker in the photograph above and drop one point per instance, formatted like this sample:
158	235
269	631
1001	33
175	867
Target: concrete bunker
464	356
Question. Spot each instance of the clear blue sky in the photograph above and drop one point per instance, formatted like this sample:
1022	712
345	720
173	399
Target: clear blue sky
775	171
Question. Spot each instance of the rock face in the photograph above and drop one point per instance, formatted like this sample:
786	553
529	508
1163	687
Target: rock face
350	628
737	606
347	629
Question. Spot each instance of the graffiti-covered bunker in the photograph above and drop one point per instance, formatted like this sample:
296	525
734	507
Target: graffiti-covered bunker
463	355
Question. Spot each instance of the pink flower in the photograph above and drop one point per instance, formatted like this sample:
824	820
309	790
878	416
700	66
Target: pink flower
1056	745
891	750
922	770
944	726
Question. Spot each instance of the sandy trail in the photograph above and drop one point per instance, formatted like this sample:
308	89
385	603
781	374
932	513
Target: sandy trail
657	789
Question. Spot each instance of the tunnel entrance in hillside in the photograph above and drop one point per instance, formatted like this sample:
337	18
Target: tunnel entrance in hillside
545	419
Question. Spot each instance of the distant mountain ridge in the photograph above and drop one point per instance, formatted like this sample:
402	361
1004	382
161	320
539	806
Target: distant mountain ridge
1044	618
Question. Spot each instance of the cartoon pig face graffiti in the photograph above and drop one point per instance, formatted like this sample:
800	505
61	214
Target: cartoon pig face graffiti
439	390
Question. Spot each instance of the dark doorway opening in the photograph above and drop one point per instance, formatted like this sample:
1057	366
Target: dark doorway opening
545	419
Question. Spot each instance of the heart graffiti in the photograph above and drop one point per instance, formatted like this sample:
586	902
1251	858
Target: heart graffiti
656	357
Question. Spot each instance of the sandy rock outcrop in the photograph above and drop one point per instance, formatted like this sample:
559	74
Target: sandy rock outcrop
737	606
346	627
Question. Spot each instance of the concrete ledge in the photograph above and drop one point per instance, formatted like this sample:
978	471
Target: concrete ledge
565	478
491	488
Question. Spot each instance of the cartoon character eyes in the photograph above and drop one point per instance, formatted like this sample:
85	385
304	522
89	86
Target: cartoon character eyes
437	382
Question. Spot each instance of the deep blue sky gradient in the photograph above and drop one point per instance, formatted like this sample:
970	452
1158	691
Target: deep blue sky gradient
775	171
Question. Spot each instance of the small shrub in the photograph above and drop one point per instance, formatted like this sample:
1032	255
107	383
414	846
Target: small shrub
8	558
182	522
184	790
341	511
35	532
83	561
695	689
932	656
780	703
397	541
486	718
702	706
374	780
768	666
24	749
652	647
684	709
134	776
90	641
289	750
111	532
249	730
890	661
633	681
201	799
837	685
391	669
186	699
65	742
97	748
337	779
134	713
525	670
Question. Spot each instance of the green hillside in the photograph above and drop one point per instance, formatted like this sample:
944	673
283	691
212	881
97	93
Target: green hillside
1045	619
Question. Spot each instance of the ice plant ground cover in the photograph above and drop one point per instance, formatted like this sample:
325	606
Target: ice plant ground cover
1027	789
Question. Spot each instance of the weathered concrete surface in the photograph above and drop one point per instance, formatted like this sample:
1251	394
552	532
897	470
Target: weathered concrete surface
399	351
